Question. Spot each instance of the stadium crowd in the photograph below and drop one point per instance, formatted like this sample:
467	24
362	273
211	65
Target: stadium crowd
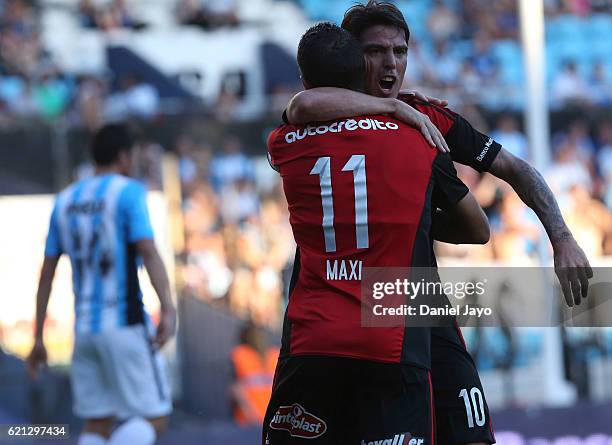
472	46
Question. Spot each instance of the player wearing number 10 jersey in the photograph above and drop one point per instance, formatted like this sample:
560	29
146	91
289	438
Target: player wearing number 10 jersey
361	193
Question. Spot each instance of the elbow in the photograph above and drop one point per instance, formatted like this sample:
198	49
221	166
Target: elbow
483	235
146	249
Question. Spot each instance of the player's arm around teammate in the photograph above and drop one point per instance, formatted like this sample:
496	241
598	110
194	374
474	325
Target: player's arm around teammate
314	105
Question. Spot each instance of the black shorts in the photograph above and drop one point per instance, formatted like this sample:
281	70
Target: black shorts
342	401
461	411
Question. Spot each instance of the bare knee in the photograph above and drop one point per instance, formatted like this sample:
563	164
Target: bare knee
102	426
160	424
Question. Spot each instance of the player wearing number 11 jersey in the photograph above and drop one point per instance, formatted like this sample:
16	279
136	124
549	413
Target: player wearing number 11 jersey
361	193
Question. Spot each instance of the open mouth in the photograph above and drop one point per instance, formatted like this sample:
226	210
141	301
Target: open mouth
386	83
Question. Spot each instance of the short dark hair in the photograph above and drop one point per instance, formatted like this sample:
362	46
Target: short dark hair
329	56
361	17
109	141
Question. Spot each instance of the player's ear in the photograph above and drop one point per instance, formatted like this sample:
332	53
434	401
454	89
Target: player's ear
126	161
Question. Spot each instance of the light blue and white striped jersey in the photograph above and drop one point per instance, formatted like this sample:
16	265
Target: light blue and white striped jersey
96	222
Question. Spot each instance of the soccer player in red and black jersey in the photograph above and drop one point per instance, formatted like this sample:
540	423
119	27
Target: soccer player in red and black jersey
383	34
361	193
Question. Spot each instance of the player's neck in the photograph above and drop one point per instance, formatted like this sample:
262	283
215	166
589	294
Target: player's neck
106	170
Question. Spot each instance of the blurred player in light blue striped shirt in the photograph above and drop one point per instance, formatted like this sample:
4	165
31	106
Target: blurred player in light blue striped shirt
102	224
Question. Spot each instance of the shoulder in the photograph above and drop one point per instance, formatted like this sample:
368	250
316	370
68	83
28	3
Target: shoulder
277	135
130	189
64	197
131	184
442	117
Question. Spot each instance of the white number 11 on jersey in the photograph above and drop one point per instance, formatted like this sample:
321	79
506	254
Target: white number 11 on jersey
356	164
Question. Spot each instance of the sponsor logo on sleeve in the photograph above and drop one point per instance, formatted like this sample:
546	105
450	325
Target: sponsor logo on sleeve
484	151
298	422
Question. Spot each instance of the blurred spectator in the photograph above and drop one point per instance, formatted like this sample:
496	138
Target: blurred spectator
11	92
469	78
418	69
21	52
579	140
227	101
578	7
589	221
112	15
516	237
482	59
25	105
253	363
239	201
604	161
568	169
508	135
230	165
149	156
569	87
136	98
447	65
600	6
506	19
188	169
51	95
208	14
89	102
600	86
443	23
87	14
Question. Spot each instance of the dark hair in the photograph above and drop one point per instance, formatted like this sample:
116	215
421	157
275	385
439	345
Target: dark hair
109	141
330	56
361	17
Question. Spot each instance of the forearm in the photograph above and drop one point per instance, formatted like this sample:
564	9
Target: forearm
531	187
325	104
42	295
159	279
42	301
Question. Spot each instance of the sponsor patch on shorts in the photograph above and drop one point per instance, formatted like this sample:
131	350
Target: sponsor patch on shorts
298	422
398	439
